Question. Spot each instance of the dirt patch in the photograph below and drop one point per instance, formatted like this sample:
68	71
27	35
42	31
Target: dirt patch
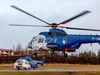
66	66
6	66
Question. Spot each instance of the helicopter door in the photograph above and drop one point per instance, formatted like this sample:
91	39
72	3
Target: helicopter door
39	42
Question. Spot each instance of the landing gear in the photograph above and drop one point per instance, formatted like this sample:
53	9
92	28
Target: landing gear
65	52
35	67
35	53
65	55
18	68
53	52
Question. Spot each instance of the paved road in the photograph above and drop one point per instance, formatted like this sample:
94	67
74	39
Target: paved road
55	70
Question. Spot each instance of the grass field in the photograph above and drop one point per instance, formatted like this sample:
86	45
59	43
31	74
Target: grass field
6	66
51	66
67	66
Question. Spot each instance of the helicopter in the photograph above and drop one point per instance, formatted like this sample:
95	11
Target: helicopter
57	39
26	62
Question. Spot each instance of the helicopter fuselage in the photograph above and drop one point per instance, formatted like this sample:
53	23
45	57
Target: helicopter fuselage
58	40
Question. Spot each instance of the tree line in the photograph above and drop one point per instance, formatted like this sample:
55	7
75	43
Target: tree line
83	58
87	57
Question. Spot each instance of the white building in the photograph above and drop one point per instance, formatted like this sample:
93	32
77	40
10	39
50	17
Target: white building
6	51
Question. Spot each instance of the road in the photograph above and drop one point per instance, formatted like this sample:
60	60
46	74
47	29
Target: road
55	70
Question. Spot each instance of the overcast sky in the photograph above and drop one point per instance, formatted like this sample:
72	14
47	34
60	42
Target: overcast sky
48	10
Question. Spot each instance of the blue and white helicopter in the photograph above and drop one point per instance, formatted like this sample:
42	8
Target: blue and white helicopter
26	62
57	39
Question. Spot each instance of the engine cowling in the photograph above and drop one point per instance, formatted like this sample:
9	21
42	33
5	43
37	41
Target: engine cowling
71	50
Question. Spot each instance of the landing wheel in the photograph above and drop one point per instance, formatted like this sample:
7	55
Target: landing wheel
18	68
35	67
53	52
35	54
25	68
65	55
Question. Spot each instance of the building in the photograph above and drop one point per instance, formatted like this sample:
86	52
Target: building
6	51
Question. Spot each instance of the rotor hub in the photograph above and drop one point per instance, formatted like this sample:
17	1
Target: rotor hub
54	25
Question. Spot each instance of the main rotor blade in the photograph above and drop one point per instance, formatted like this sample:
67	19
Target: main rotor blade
15	7
28	25
77	16
81	29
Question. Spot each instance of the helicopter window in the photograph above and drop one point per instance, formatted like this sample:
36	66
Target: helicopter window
64	40
32	41
26	63
45	40
35	39
17	61
48	40
40	40
55	40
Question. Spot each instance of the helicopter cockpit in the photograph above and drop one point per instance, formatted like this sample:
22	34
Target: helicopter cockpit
38	42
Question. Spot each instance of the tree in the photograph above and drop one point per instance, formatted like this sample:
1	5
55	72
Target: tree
18	47
87	57
98	56
13	48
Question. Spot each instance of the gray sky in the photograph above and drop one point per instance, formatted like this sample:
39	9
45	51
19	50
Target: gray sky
48	10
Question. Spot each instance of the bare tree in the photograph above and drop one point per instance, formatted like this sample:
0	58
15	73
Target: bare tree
13	48
18	47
